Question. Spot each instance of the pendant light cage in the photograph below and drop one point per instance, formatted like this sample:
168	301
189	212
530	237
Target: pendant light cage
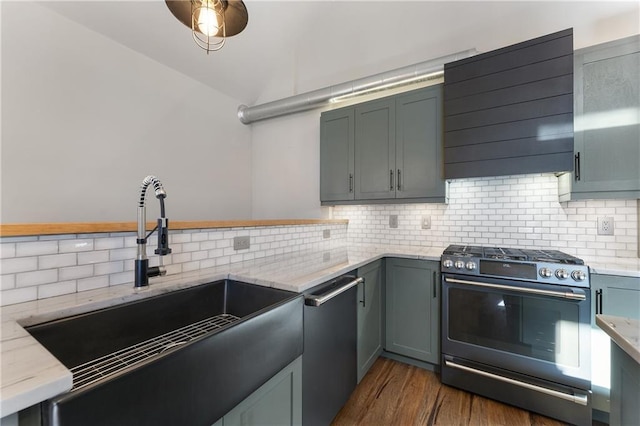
208	24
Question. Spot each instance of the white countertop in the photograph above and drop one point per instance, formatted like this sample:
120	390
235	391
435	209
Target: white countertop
625	332
627	267
30	374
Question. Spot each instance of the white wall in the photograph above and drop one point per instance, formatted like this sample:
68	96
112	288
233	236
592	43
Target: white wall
85	119
286	167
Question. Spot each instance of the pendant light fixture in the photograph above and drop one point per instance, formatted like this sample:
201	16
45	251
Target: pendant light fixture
211	21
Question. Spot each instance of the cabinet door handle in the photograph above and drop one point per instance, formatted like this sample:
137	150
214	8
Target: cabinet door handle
350	182
435	283
390	180
599	301
576	166
399	180
364	294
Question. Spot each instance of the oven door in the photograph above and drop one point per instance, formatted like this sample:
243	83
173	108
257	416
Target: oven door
534	329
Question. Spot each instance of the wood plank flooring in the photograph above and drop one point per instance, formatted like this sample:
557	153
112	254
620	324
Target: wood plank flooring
393	393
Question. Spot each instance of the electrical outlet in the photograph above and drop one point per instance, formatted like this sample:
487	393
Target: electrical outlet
326	233
426	222
605	226
241	243
393	221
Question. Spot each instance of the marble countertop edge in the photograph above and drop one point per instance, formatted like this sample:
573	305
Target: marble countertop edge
624	332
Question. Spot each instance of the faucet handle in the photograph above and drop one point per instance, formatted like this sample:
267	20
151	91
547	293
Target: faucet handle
163	237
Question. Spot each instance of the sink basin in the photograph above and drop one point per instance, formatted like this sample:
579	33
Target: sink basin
185	357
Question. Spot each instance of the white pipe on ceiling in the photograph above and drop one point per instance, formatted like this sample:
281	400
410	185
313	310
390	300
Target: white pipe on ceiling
321	97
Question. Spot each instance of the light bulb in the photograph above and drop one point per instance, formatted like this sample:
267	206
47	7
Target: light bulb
208	22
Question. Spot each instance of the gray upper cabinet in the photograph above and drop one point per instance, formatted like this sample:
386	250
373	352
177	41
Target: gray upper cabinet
375	150
607	123
510	111
337	142
390	149
419	171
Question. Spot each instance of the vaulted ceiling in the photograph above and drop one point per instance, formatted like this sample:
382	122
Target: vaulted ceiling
292	47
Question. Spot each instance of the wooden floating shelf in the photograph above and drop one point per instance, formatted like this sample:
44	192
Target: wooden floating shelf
31	229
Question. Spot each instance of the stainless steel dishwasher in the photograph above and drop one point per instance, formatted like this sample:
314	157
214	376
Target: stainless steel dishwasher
329	361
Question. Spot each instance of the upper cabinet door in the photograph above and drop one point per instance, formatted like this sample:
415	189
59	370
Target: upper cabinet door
608	118
419	144
337	142
375	167
510	111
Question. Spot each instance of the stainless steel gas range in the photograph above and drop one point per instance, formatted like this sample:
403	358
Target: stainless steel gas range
516	328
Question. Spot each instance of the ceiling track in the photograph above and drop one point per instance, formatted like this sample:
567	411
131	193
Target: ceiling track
321	97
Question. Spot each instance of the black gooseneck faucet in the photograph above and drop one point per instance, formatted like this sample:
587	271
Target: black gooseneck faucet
142	269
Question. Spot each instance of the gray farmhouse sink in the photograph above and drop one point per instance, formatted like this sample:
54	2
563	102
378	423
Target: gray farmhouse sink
185	357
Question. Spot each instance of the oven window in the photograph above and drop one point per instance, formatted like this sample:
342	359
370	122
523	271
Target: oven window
544	328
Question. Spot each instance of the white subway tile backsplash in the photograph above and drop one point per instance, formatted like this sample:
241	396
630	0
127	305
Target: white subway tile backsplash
57	289
7	250
179	238
18	295
18	264
519	211
36	248
35	278
109	243
122	254
7	281
93	283
56	260
90	257
120	278
76	245
108	268
76	272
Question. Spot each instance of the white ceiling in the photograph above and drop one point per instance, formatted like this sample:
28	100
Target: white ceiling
292	47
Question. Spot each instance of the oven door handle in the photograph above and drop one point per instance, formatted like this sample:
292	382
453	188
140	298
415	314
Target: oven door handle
562	294
578	399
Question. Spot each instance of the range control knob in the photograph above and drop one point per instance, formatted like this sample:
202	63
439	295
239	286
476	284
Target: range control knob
459	264
447	263
578	275
470	266
546	273
562	274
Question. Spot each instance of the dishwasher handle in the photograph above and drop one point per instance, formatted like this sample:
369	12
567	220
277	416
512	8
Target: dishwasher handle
317	300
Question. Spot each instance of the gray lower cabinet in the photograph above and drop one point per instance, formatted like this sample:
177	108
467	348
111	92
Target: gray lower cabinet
625	388
413	309
277	402
369	317
611	295
607	123
385	150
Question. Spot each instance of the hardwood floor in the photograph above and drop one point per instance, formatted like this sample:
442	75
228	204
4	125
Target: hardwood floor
393	393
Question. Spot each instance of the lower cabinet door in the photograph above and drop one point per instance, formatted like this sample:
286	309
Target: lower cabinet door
369	316
277	402
413	309
625	388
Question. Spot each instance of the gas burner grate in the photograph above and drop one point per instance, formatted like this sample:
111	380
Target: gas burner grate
108	365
